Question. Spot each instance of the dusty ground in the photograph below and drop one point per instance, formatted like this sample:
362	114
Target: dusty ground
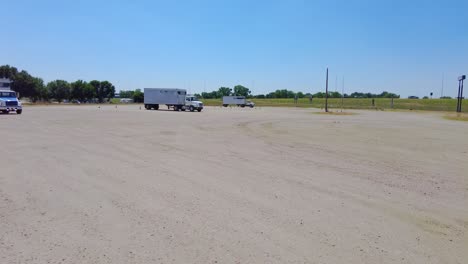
80	184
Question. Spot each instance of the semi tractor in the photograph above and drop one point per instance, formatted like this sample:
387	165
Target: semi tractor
237	100
8	98
177	99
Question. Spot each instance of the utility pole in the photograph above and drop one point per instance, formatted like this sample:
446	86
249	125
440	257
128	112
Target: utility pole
460	93
336	83
326	94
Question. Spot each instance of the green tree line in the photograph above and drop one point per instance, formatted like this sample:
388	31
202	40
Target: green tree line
34	88
240	90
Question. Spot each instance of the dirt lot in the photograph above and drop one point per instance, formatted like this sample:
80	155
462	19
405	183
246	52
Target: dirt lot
82	184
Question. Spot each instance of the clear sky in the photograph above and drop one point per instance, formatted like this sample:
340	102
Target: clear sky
399	46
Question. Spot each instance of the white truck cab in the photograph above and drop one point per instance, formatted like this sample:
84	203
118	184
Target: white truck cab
192	103
8	98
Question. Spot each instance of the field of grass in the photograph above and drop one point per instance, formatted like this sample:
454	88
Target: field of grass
448	105
355	103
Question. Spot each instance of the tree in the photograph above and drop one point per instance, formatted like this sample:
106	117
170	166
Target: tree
6	71
241	91
89	93
24	84
40	91
334	95
224	91
126	94
138	96
78	90
59	90
109	90
103	90
210	95
98	91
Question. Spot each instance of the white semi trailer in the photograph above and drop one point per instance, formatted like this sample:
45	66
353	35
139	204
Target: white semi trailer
237	100
177	99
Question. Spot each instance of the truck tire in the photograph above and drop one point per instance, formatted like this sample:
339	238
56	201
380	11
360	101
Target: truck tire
19	111
199	110
242	105
251	106
156	107
225	105
4	112
191	108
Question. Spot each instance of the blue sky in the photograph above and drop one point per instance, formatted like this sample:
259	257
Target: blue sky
399	46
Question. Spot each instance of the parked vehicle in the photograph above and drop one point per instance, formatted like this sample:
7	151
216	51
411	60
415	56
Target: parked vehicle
177	99
126	100
8	98
192	104
237	100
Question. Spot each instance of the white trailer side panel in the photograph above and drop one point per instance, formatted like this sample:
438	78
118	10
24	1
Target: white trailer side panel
168	96
237	100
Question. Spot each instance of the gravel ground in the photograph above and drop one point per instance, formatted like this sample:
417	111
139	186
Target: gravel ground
82	184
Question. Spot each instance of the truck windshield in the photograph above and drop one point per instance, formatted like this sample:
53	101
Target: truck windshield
7	94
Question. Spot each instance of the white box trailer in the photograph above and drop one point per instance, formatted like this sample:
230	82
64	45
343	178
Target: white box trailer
174	98
237	100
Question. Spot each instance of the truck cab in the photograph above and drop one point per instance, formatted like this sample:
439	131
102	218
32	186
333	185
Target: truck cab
8	98
192	103
250	104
